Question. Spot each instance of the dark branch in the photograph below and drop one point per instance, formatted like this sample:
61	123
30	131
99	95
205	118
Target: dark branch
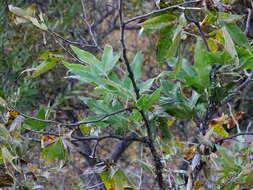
156	157
111	136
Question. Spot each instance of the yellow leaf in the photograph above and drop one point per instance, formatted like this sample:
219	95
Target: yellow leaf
170	122
217	125
212	44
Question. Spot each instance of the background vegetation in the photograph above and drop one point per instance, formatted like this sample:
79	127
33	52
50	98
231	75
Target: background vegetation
126	94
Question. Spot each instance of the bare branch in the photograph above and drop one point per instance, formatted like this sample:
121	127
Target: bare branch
90	27
179	6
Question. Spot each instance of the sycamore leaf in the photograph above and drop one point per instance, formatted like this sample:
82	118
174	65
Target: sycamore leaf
108	60
54	151
145	86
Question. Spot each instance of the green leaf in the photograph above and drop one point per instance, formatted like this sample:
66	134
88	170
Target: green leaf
145	86
154	97
200	63
54	151
4	133
167	86
180	111
228	158
108	60
146	101
237	35
97	106
45	66
146	167
120	179
188	68
88	74
135	116
228	17
18	11
85	129
37	125
8	157
100	107
174	46
85	56
120	88
164	43
159	22
219	93
246	58
218	58
229	45
136	65
143	102
163	126
35	21
3	103
108	182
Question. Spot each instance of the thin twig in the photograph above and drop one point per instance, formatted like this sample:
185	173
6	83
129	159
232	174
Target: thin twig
247	27
69	41
179	6
80	122
141	170
69	52
249	79
89	27
93	155
233	136
233	117
238	88
94	186
30	139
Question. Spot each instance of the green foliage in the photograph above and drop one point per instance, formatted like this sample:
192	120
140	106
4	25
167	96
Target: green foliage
49	62
54	151
184	91
37	125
